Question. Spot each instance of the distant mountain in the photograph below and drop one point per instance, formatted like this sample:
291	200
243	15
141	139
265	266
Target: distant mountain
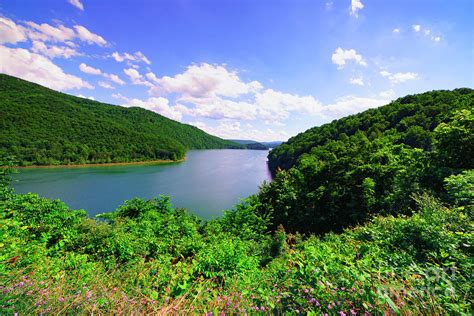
250	144
272	144
40	126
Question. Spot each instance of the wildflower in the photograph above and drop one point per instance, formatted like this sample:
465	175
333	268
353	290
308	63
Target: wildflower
342	313
61	299
317	303
329	306
306	291
262	308
343	288
353	312
88	294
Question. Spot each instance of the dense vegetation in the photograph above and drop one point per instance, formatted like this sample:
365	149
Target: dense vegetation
147	256
44	127
342	173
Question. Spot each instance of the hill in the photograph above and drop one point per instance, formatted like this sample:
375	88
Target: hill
250	144
43	127
409	120
272	144
344	172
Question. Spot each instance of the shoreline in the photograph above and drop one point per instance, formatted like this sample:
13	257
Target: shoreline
104	164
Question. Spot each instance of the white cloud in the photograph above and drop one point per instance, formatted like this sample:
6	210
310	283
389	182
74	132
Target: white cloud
95	71
21	63
10	32
89	70
53	51
341	56
89	37
114	78
278	105
204	80
159	105
399	77
46	32
234	130
348	105
436	38
396	30
136	77
416	27
357	81
136	57
387	94
356	5
77	3
105	85
83	96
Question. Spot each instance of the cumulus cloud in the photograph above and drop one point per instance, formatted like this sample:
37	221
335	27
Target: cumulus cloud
114	78
10	32
47	32
30	66
204	80
89	37
95	71
53	51
83	96
356	5
416	27
396	30
341	56
77	3
387	94
105	85
235	130
357	81
348	105
399	77
136	77
89	70
159	105
136	57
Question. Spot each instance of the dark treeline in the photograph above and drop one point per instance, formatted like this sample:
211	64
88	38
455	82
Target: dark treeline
44	127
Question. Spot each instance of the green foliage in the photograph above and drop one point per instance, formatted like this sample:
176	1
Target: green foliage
44	127
341	173
461	187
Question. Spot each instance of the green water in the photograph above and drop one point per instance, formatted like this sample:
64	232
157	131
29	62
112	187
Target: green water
208	182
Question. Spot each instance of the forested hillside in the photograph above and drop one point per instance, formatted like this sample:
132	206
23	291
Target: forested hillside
42	127
341	173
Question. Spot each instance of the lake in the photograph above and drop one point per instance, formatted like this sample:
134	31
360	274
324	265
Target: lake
206	183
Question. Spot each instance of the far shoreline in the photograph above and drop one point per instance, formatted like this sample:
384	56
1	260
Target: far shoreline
105	164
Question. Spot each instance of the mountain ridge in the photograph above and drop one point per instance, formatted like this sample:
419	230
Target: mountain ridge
46	127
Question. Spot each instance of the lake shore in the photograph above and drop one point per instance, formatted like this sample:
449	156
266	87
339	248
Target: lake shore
106	164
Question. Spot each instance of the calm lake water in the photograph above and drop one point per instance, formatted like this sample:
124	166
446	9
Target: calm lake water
208	182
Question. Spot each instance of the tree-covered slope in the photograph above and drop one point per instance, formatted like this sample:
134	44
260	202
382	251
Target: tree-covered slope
342	173
409	120
41	126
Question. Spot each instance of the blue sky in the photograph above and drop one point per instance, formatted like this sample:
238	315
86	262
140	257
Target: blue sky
263	70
